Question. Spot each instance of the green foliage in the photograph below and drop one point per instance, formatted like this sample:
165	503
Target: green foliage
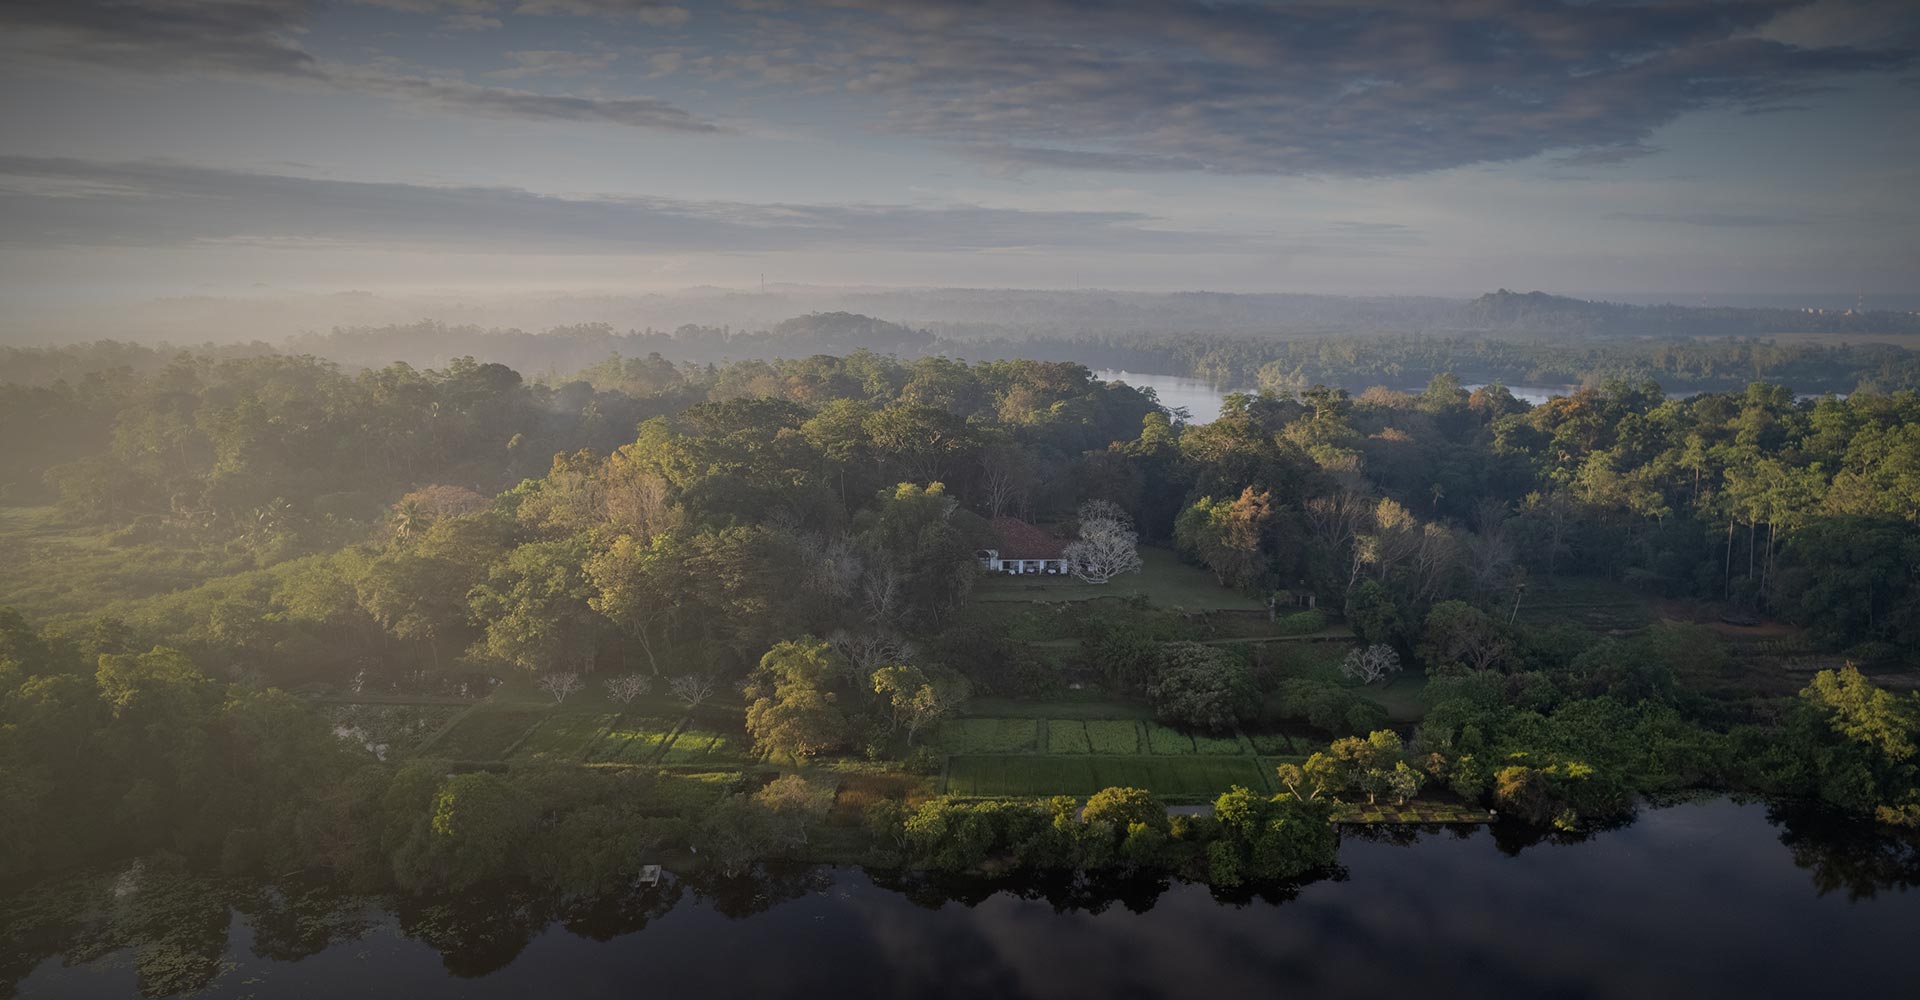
1267	838
794	709
1301	623
1202	686
1228	536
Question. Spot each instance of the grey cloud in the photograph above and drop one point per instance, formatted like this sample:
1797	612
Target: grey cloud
658	13
498	102
547	62
64	202
255	38
1718	220
228	36
1369	88
470	22
1606	156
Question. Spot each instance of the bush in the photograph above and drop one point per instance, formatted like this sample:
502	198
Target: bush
1364	715
1302	623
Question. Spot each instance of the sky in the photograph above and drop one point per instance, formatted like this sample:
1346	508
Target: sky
1686	148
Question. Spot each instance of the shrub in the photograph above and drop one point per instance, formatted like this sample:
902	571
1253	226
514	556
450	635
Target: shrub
1302	623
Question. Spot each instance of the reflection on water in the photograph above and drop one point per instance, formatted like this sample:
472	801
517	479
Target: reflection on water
1200	398
1713	898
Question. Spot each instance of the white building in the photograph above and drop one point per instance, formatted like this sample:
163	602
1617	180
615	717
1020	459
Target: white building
1022	548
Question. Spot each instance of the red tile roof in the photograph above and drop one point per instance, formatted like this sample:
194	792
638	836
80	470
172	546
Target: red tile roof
1020	540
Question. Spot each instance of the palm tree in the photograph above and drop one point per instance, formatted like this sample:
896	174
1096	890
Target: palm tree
408	517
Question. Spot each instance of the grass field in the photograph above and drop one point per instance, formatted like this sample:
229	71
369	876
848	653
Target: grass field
485	734
563	735
1190	777
50	568
645	741
1163	579
1600	605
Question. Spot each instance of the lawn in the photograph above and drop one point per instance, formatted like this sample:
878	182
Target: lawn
487	733
1190	777
1163	580
644	740
1403	697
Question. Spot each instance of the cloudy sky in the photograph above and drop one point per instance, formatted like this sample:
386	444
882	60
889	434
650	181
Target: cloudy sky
1665	147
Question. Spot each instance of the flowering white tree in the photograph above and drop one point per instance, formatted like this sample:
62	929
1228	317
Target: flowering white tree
1107	546
561	683
628	687
692	689
1373	663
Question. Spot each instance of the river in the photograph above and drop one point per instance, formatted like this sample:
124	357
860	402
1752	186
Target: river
1708	898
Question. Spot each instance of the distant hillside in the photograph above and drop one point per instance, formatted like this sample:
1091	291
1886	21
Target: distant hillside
1538	312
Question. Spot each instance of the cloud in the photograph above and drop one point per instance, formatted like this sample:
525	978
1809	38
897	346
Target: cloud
547	62
1861	23
255	38
1716	220
499	102
656	13
470	22
81	203
249	37
1362	88
1607	156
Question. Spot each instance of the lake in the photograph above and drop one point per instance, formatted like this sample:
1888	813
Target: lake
1199	397
1202	398
1708	898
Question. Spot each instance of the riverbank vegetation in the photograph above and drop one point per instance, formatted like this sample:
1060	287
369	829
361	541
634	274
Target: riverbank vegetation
428	629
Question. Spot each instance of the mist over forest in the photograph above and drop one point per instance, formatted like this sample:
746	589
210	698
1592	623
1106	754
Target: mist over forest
959	498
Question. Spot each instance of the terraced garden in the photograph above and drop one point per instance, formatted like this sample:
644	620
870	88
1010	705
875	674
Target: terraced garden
1172	778
1021	756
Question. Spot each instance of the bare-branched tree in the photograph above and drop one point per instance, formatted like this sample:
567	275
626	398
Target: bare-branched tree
625	688
1374	663
560	684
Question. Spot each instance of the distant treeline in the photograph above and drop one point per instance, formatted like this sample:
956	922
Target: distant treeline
1588	351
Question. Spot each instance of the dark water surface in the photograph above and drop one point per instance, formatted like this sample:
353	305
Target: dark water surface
1713	898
